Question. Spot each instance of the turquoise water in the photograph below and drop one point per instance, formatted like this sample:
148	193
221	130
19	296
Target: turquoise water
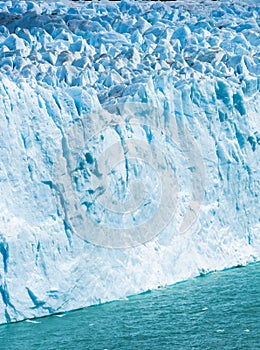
218	311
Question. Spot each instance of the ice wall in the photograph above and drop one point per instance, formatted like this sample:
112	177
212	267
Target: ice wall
129	148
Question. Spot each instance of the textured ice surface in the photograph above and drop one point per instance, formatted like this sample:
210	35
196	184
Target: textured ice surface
74	75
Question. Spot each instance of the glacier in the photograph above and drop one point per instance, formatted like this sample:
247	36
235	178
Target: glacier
129	148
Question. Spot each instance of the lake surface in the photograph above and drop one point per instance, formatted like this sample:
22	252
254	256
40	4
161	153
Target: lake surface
218	311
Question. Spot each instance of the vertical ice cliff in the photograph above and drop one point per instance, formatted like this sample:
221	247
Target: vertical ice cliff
129	148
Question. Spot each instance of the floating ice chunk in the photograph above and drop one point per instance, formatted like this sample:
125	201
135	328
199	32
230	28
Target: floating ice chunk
33	321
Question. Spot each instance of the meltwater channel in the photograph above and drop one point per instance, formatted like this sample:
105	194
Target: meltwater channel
218	311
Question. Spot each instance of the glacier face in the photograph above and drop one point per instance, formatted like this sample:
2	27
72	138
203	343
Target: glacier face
163	98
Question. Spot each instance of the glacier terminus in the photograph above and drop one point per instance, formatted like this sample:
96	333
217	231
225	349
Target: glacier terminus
129	148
